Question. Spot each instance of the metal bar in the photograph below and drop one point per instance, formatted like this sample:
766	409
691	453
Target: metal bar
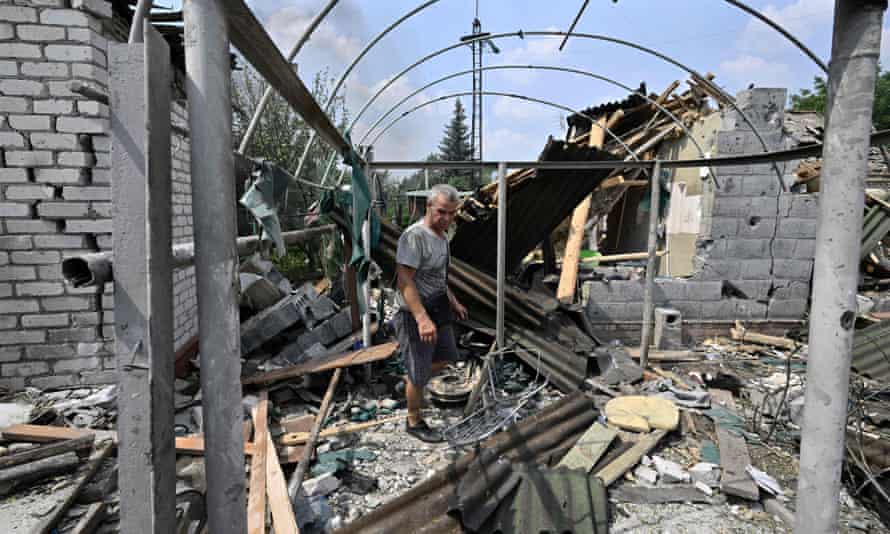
593	121
216	261
502	251
654	208
98	268
136	30
814	150
267	94
574	23
140	90
333	95
851	92
249	36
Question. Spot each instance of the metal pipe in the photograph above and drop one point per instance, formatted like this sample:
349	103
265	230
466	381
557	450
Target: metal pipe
593	121
267	94
216	261
332	97
574	23
851	91
502	252
654	208
98	268
142	9
605	79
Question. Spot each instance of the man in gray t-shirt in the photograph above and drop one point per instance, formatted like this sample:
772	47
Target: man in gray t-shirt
423	322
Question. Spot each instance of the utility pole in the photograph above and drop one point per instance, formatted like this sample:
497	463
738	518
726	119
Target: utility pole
851	86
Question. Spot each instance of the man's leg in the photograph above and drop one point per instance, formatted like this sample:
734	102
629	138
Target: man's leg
414	396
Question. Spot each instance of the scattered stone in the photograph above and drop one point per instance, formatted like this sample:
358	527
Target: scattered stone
704	488
706	473
322	485
389	404
646	474
670	472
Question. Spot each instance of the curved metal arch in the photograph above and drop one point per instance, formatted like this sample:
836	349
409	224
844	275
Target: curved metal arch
349	70
521	34
571	70
593	120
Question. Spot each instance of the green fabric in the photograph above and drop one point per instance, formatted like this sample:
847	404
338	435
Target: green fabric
265	195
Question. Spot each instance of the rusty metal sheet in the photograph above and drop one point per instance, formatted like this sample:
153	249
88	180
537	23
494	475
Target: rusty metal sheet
871	351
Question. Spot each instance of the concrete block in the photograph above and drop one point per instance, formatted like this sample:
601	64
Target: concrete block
10	306
270	322
745	142
63	210
787	309
793	227
70	303
668	329
65	17
39	289
724	226
8	322
86	193
731	207
14	13
730	185
13	176
31	226
82	125
757	227
14	209
21	87
12	140
93	108
54	106
669	288
47	320
788	290
61	176
30	192
761	185
5	290
11	354
29	158
805	249
50	352
747	248
89	36
70	52
793	270
15	242
700	291
605	312
321	485
798	205
783	248
720	270
753	269
749	309
22	257
24	369
691	309
76	159
14	104
45	70
100	8
12	273
42	34
53	141
7	31
29	122
749	289
763	107
78	226
52	382
616	366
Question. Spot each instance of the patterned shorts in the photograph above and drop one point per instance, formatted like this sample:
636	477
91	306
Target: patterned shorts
419	356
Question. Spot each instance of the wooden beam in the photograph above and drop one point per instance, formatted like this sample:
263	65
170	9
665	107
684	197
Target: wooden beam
739	333
734	457
282	510
300	473
299	438
568	277
631	457
630	256
91	520
362	356
256	500
53	449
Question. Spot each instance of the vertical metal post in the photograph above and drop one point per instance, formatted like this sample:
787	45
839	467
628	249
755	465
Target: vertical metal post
366	245
648	311
502	251
851	85
426	179
208	85
143	285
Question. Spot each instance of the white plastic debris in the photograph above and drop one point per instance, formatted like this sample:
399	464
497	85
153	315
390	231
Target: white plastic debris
704	488
705	473
670	471
645	474
764	481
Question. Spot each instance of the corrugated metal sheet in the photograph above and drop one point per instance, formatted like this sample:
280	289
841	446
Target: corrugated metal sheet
555	500
534	208
871	351
565	369
874	228
435	505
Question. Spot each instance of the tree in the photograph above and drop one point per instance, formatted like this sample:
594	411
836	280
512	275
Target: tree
455	146
815	99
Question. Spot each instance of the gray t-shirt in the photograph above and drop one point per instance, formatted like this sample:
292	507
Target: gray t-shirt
420	248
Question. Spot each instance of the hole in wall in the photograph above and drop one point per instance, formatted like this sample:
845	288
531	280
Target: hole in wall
753	221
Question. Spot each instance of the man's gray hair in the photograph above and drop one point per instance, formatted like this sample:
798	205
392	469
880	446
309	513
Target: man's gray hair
444	190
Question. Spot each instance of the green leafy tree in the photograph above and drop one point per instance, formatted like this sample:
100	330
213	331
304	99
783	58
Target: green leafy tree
815	99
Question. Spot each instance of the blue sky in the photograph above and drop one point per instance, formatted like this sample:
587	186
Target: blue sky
708	35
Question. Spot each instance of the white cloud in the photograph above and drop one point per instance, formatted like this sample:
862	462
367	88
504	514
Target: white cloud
747	69
513	109
534	50
508	143
802	18
885	48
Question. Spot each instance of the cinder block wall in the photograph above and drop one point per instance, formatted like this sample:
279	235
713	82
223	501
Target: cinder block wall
754	255
55	195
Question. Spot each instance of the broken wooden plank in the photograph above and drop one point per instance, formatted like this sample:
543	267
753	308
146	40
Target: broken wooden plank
256	500
631	457
19	475
629	256
51	523
53	449
740	333
46	434
299	438
276	488
359	357
296	480
734	458
674	493
589	448
91	520
667	355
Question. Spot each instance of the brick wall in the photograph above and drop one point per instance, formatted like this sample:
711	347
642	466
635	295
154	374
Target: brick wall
754	256
55	196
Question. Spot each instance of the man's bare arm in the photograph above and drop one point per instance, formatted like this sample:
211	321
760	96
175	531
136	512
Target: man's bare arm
425	325
456	306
